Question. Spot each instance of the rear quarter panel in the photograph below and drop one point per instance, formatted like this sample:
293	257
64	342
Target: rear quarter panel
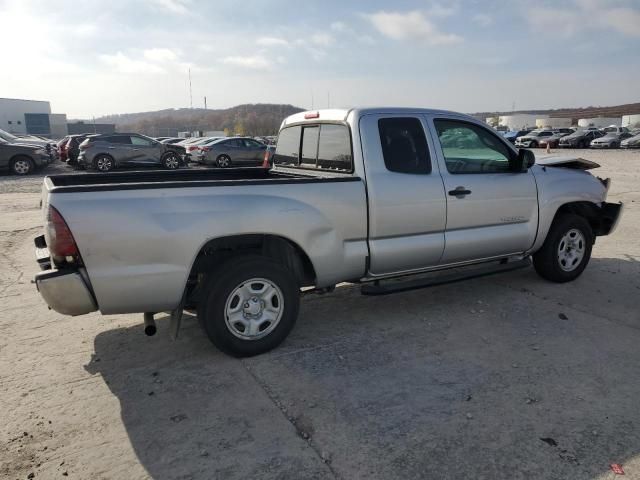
139	245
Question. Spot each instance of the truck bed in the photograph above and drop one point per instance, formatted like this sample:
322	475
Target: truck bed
134	180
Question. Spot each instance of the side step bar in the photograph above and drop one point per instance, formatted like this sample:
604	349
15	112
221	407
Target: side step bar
391	286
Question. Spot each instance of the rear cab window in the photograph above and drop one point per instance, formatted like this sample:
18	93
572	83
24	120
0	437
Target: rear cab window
323	146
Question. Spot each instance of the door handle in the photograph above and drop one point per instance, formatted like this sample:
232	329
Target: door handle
459	192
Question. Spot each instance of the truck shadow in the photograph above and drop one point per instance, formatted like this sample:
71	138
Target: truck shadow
500	377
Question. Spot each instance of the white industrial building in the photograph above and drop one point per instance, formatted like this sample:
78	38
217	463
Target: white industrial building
518	121
31	116
631	120
600	122
550	122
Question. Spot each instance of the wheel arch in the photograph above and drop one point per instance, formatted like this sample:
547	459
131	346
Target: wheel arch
588	210
285	251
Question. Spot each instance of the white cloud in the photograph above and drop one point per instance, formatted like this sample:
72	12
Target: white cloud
160	55
437	10
125	64
255	62
272	42
411	26
584	16
322	39
482	19
339	27
174	6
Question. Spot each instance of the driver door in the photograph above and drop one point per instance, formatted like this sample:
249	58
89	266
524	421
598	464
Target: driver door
491	210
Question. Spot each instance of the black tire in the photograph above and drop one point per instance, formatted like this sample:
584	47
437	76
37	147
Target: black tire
582	144
219	290
547	261
171	161
22	165
104	163
223	161
533	145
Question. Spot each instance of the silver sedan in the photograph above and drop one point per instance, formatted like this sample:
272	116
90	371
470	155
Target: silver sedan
236	151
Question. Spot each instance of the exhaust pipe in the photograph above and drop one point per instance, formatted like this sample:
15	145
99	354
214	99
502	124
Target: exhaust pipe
149	324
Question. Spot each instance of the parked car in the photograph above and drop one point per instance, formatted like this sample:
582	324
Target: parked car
615	129
22	159
172	140
29	140
631	142
108	151
72	147
193	148
358	195
234	151
579	139
512	135
61	146
532	139
610	140
553	141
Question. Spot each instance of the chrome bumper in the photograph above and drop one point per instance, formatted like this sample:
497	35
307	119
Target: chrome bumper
65	291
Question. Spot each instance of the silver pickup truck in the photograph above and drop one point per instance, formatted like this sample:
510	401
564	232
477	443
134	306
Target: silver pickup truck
371	196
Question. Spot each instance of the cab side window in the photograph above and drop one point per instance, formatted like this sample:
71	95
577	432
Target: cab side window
404	145
468	148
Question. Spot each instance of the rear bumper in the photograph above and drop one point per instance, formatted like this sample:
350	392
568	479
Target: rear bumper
65	291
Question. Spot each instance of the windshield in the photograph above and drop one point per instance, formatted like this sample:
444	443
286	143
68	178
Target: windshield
610	130
7	136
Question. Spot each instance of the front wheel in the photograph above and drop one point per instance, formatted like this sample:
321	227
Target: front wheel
22	165
249	305
566	250
171	161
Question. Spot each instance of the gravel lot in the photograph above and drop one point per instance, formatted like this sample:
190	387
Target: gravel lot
499	377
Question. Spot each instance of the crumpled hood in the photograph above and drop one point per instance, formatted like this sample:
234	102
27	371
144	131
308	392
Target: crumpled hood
576	163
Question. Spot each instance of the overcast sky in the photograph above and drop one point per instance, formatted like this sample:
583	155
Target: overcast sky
91	58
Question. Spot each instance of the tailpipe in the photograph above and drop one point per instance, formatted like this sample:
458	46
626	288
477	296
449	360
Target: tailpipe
150	328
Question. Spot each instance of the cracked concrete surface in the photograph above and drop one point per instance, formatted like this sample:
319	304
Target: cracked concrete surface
456	381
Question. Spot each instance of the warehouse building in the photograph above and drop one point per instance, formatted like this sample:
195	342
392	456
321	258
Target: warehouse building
553	122
631	120
600	122
519	121
90	127
31	117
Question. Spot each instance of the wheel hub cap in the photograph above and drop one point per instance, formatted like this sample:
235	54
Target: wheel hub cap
571	250
254	308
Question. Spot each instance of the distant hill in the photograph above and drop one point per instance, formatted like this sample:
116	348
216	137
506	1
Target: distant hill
249	119
574	113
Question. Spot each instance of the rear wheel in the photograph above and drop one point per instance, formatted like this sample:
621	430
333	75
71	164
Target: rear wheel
103	163
249	305
223	161
22	165
533	145
566	250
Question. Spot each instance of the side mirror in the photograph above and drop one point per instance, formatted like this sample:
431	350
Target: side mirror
525	160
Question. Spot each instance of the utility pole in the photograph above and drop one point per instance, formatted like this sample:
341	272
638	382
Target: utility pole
190	92
205	102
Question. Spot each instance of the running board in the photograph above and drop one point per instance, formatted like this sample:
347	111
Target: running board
376	288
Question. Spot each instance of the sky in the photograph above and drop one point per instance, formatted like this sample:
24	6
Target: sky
90	58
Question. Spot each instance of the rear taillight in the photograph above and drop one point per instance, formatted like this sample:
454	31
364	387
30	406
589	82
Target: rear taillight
205	149
265	160
60	241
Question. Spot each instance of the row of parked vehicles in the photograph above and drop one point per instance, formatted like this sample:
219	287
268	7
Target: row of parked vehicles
106	152
22	154
591	137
